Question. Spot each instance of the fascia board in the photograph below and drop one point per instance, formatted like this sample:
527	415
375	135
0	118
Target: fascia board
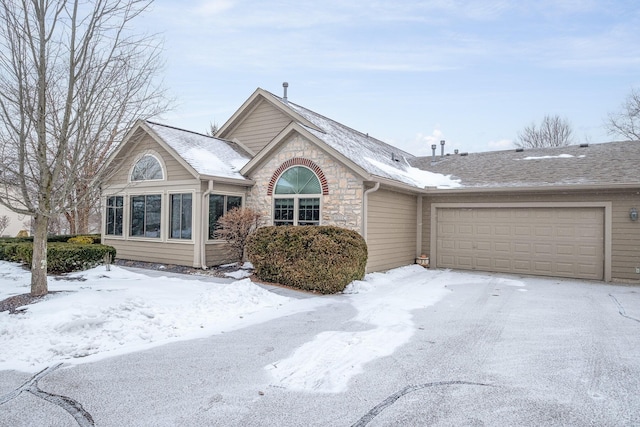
125	142
533	189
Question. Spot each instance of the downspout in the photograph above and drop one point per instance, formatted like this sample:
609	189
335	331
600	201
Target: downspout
204	236
419	227
365	209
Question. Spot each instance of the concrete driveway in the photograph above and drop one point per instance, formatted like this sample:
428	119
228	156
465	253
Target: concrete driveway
555	352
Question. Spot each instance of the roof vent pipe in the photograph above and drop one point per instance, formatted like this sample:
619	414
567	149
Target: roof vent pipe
433	155
442	148
285	85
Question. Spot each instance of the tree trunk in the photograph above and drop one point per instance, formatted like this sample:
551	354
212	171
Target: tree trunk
83	212
71	220
39	262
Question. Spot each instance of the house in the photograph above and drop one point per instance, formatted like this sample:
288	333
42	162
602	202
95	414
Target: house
559	212
14	222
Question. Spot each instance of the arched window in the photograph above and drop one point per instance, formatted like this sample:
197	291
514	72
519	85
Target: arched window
147	168
297	198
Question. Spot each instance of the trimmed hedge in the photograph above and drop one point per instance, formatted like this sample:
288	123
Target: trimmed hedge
61	257
61	238
322	259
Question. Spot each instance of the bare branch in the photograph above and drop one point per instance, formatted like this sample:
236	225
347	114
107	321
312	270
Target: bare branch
554	131
73	78
626	122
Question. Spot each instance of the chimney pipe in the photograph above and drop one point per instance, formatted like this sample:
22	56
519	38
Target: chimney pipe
442	148
285	85
433	155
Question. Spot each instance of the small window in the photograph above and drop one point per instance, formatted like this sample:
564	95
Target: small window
292	204
181	207
147	168
113	226
145	215
218	206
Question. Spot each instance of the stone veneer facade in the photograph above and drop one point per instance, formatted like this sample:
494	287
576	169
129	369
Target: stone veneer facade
341	205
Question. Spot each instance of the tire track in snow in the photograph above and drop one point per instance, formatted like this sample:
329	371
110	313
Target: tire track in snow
74	408
621	310
376	410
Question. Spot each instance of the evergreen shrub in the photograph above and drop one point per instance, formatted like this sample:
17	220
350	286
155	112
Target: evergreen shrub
61	257
322	259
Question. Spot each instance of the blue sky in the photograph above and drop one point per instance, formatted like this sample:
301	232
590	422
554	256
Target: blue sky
408	72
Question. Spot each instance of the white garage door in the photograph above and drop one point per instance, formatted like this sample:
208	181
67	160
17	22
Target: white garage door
563	242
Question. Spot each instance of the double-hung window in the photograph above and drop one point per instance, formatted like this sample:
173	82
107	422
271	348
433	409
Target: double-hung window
181	216
113	226
297	198
219	205
145	215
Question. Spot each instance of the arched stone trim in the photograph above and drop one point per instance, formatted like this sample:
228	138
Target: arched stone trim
298	161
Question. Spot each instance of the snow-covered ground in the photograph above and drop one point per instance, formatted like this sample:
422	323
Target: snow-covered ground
98	313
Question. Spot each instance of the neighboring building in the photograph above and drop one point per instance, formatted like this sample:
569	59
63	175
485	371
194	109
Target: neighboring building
558	212
16	222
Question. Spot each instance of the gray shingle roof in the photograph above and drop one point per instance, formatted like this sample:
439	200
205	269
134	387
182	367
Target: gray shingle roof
374	156
205	154
596	164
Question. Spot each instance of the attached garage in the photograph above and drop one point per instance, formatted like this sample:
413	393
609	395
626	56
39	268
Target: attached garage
562	240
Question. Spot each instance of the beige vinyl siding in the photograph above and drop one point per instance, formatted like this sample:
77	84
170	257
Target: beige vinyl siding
624	235
218	254
391	229
160	252
259	127
173	169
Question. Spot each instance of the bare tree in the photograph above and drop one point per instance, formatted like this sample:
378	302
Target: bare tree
72	77
235	227
4	223
213	129
626	122
554	131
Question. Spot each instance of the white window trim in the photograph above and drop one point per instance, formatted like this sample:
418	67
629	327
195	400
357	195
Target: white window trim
156	156
243	198
296	205
163	222
193	217
296	197
124	217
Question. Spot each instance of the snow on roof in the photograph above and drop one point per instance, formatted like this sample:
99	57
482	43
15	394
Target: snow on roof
205	154
559	156
418	177
574	165
376	157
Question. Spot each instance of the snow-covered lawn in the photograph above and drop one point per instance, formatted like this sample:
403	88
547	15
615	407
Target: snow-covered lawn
98	313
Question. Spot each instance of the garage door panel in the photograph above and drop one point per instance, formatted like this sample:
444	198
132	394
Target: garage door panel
565	250
465	262
522	231
502	247
483	246
465	245
567	242
483	263
543	231
502	264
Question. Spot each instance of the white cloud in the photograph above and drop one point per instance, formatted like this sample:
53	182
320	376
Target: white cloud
501	144
214	7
